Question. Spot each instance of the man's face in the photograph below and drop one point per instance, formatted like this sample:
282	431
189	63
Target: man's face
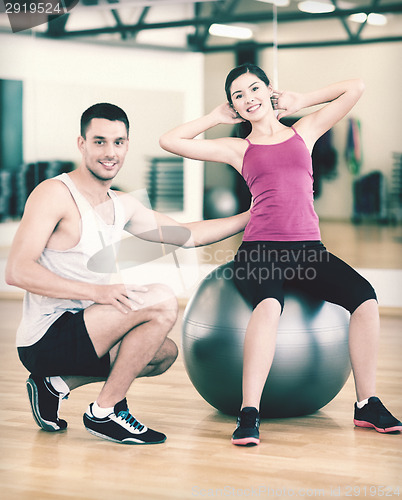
104	148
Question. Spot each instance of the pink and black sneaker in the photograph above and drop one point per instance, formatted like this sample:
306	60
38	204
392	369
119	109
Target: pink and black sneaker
374	415
247	431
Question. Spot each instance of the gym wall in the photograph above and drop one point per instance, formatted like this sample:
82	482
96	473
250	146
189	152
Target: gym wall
379	109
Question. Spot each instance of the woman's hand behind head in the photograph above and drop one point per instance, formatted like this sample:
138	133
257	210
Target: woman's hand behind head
225	114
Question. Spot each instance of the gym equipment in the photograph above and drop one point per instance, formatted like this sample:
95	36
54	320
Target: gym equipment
311	362
220	202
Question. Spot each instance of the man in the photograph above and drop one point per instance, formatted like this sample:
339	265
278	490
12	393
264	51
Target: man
77	326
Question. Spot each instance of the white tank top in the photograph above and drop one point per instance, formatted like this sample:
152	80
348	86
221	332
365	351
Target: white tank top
40	312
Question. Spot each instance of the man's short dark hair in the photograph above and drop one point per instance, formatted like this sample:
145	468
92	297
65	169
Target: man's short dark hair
103	110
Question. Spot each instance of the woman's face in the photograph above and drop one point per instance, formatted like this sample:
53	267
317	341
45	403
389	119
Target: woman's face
250	96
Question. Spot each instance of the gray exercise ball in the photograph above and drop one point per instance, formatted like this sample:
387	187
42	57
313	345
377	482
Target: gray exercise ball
311	362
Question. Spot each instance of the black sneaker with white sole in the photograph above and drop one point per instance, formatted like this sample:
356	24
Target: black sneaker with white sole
45	404
121	427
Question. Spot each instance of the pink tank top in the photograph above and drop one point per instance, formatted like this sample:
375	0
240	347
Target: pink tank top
280	179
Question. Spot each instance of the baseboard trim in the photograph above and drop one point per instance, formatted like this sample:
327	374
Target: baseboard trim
390	311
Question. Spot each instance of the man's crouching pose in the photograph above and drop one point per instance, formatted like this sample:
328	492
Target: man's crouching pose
77	327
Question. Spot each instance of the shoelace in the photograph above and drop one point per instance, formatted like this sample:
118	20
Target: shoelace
130	419
248	419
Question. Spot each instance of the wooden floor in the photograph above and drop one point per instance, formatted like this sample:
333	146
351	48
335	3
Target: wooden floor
322	455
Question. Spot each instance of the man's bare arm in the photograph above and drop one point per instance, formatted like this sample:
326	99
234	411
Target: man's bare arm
47	205
155	226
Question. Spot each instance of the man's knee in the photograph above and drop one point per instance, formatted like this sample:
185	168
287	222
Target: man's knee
171	351
163	360
164	304
170	358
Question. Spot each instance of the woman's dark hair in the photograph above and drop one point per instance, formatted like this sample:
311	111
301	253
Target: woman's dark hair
244	128
103	110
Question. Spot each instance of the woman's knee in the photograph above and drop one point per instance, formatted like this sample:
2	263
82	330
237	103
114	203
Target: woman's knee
269	307
269	304
360	296
367	308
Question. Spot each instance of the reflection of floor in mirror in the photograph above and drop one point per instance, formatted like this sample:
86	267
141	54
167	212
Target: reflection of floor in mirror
365	246
362	246
375	251
317	455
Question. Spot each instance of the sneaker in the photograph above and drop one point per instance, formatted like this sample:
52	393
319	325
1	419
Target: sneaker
375	415
45	403
121	427
247	431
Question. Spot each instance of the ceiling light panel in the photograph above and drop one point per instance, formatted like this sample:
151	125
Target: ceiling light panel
231	31
315	7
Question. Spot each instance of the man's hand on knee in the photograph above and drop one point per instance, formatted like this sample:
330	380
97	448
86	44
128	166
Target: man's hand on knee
124	298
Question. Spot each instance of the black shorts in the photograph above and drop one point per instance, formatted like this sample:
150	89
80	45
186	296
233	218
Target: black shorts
65	349
264	269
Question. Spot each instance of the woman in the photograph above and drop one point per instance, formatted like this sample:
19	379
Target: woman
275	161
